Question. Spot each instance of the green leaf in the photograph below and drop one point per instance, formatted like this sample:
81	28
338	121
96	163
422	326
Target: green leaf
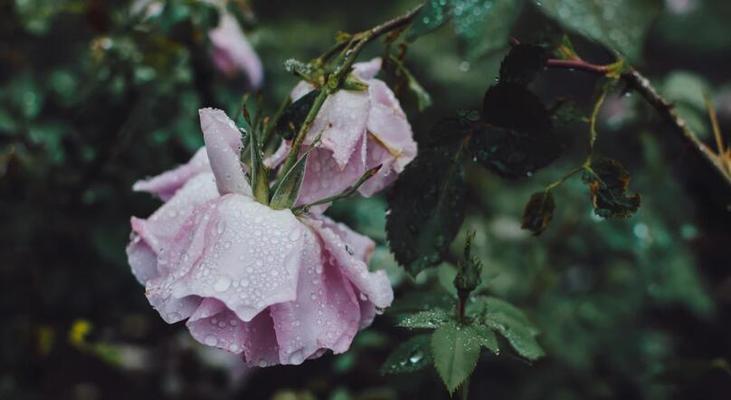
258	172
619	24
522	64
538	212
429	319
456	350
432	16
484	25
485	337
412	355
480	25
427	207
287	189
511	323
294	115
517	137
608	181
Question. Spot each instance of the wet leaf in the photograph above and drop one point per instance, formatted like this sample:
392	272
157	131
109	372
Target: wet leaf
619	24
446	132
523	63
484	25
480	25
287	189
516	137
294	115
427	207
432	16
512	324
486	338
430	319
538	212
412	355
608	181
456	350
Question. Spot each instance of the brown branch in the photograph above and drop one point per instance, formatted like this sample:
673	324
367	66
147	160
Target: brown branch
666	109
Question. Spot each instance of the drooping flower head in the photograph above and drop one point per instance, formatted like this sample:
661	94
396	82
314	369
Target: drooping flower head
264	283
358	130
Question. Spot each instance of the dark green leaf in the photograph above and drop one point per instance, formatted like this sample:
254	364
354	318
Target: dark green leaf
426	207
456	350
517	135
432	16
523	63
430	319
446	132
538	212
485	337
484	25
619	24
294	115
511	323
411	355
608	181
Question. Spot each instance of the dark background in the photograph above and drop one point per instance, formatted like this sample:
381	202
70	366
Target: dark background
92	99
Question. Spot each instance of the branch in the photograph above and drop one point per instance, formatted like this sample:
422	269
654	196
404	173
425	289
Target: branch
666	109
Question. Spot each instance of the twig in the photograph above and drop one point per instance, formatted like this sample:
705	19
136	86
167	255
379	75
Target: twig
642	85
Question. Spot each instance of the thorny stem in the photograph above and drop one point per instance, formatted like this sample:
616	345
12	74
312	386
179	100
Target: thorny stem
642	85
333	82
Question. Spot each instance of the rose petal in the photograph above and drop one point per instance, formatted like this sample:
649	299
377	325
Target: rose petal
142	259
388	123
152	236
166	184
223	144
378	155
237	251
367	70
326	313
324	178
375	286
233	50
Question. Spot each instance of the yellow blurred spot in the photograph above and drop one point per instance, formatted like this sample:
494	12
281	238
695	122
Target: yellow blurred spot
79	331
46	336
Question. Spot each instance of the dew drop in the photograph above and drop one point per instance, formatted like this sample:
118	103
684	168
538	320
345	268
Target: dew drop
211	340
222	284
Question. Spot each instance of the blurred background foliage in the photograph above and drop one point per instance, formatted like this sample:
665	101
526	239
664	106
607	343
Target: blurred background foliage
93	96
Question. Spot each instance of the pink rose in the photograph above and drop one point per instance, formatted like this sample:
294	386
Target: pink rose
360	130
276	288
232	52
